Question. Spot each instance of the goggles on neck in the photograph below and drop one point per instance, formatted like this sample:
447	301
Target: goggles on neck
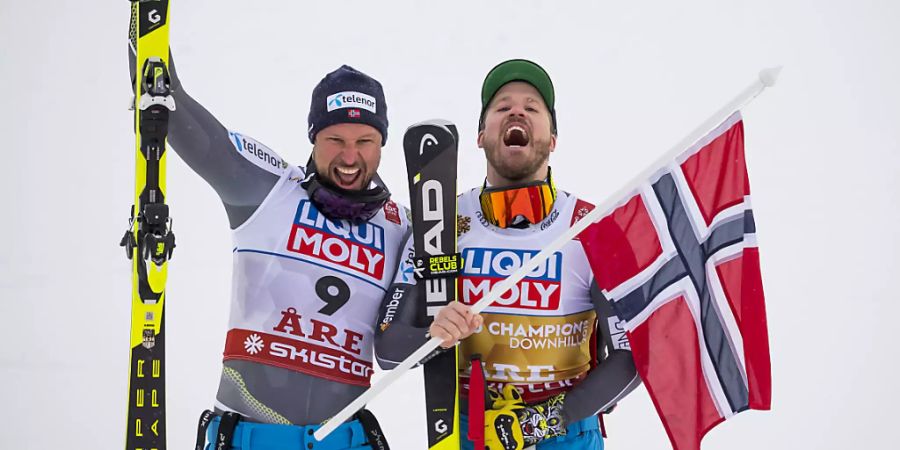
514	205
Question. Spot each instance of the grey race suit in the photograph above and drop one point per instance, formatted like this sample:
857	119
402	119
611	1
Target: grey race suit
263	392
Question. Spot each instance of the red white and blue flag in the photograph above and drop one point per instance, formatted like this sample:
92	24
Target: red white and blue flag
679	262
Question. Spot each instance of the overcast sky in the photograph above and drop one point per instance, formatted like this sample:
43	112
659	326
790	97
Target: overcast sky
632	79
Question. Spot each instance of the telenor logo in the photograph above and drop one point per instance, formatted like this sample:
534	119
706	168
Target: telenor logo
356	247
257	153
350	99
485	267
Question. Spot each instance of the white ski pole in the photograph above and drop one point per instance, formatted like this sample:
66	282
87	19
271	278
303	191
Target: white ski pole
765	79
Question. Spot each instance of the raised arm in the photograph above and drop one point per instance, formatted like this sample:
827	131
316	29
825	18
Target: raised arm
208	149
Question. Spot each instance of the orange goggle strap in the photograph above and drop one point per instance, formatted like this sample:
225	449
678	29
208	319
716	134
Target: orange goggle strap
532	201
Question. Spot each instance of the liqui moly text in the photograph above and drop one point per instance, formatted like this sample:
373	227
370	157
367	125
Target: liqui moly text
359	248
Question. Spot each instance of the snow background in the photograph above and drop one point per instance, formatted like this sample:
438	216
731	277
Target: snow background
632	79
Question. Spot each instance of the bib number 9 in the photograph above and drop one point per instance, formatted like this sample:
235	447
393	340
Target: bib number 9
334	292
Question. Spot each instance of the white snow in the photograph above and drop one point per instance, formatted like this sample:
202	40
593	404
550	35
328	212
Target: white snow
631	78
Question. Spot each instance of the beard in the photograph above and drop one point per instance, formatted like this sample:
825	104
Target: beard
518	167
330	177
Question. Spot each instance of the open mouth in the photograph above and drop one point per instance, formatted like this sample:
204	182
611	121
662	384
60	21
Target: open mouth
346	176
516	136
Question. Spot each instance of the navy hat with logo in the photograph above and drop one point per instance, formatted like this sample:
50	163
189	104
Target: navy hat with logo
348	96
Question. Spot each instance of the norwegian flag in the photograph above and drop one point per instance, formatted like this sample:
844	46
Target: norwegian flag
679	262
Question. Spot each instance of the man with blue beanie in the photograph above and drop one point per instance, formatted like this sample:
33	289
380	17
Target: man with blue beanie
314	251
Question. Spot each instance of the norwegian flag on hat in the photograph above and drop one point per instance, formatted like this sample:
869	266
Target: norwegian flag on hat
353	113
678	260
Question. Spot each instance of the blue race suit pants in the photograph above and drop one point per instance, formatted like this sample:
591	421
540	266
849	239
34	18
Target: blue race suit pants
266	436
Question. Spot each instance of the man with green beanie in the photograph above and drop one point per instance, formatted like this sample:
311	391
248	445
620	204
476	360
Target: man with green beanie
554	354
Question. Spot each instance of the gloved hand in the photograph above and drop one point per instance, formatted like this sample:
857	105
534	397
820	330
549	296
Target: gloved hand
502	430
543	420
512	425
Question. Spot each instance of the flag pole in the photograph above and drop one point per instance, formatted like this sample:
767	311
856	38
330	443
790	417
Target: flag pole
766	78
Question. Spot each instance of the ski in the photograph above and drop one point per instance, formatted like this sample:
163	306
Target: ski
431	154
149	240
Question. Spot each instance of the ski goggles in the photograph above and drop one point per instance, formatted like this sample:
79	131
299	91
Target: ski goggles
532	202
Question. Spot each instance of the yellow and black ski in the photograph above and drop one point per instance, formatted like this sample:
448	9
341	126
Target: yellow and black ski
149	240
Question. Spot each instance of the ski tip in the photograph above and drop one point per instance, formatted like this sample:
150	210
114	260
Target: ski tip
433	122
770	76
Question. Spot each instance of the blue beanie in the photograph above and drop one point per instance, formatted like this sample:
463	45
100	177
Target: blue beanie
347	96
